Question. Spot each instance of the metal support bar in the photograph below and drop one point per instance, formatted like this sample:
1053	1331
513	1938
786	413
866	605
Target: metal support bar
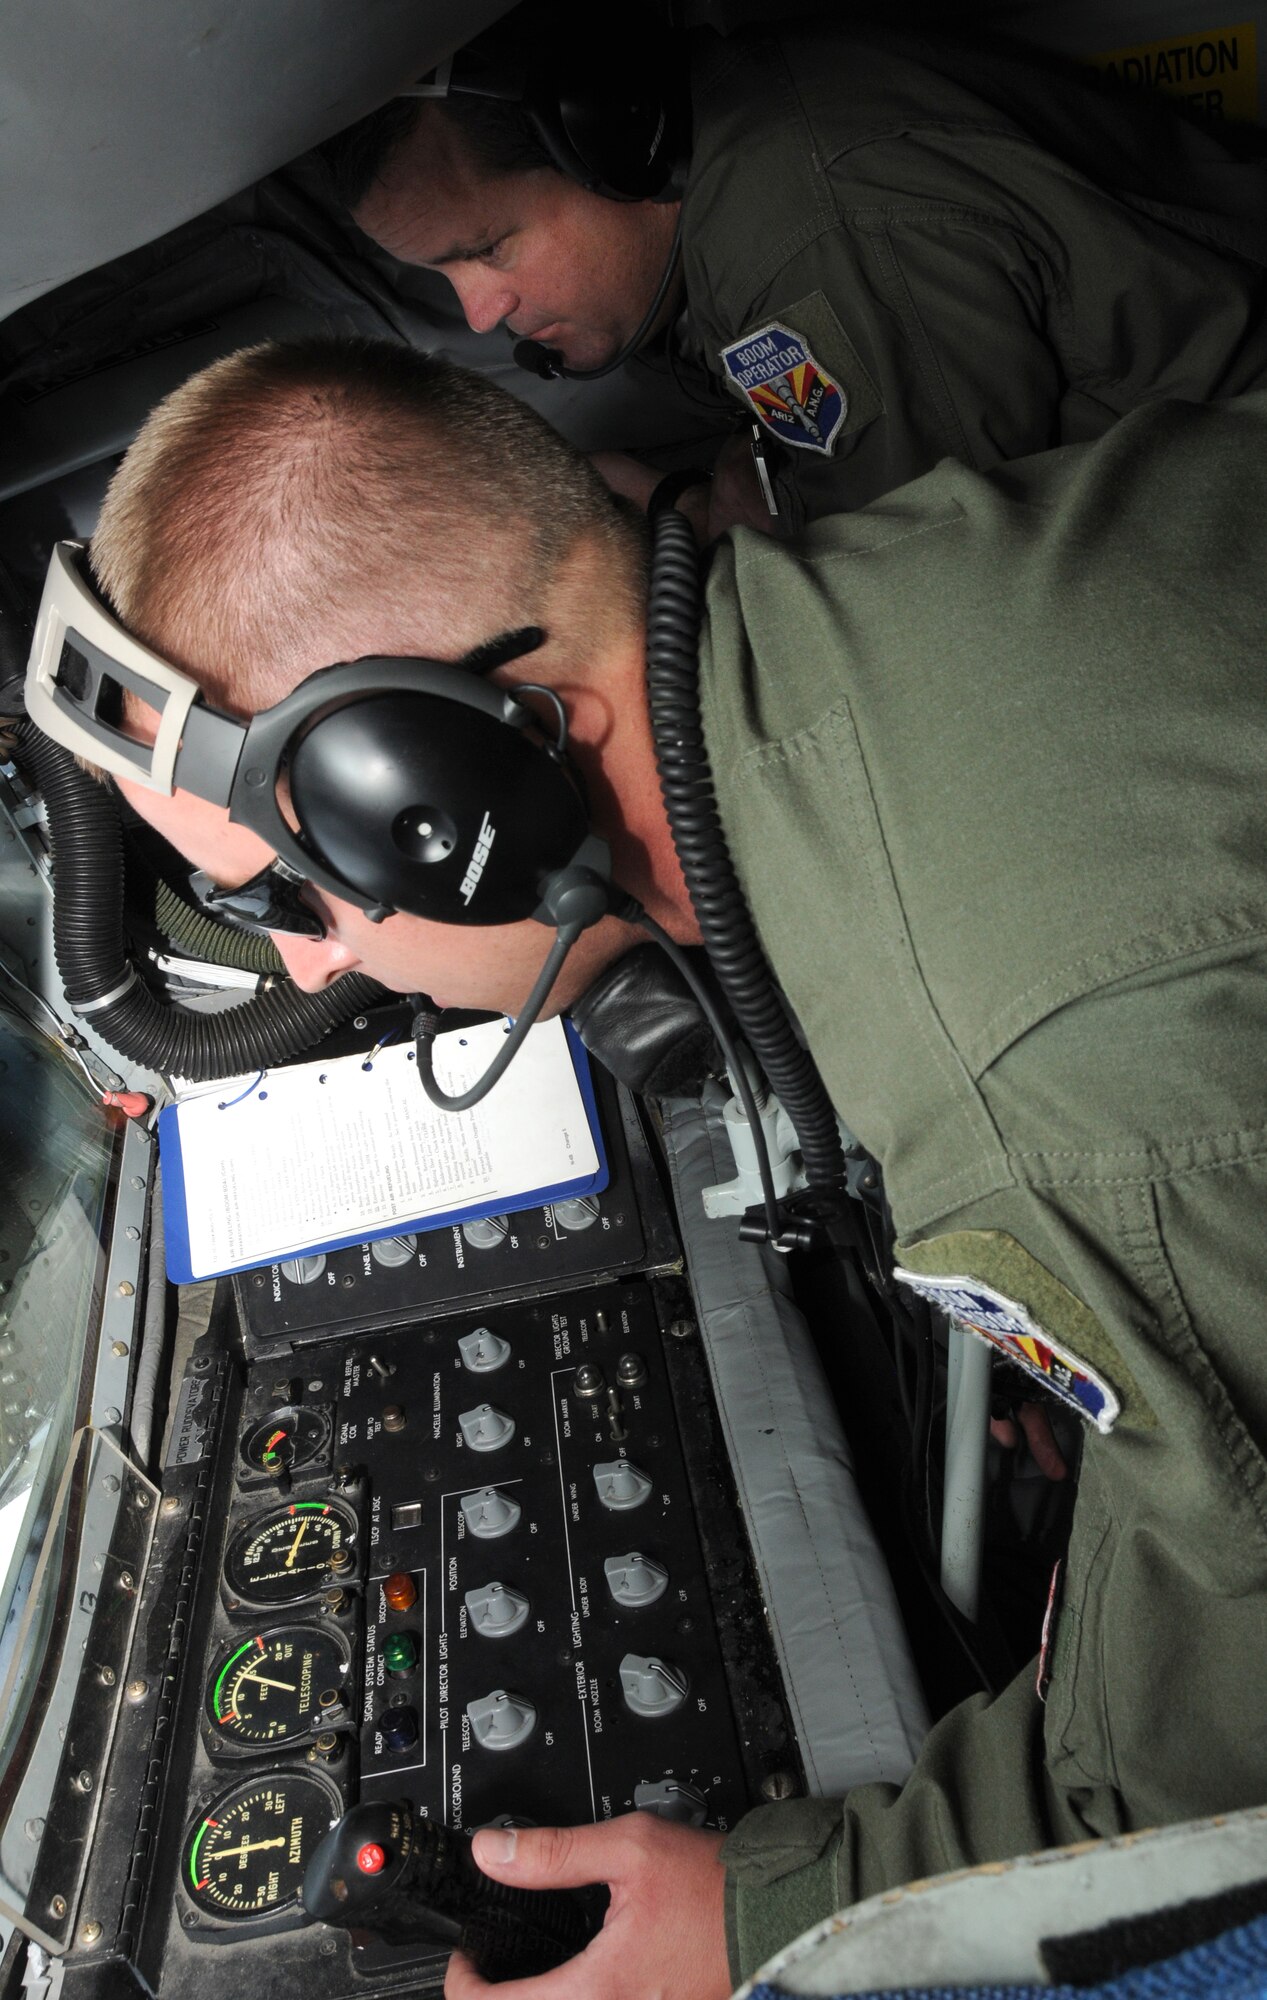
963	1498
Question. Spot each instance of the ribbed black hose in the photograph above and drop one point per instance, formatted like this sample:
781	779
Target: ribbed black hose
203	937
87	849
686	782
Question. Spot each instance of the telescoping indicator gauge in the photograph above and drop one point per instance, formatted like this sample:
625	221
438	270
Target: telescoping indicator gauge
246	1857
291	1552
280	1685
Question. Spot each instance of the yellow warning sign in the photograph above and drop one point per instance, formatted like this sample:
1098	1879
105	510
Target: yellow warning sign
1215	70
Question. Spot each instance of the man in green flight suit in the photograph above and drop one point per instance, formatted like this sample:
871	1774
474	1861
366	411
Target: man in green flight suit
988	755
894	247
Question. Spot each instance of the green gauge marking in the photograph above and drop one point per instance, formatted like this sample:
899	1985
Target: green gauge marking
247	1856
279	1685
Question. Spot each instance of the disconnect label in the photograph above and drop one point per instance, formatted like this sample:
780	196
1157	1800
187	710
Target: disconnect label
1215	70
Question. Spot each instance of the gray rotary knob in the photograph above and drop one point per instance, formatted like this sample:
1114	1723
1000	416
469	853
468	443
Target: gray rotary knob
483	1351
486	1429
392	1251
304	1270
635	1580
485	1232
496	1610
652	1687
621	1485
501	1721
489	1514
576	1212
671	1799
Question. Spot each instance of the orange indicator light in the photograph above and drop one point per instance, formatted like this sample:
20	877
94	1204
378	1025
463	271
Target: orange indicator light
400	1591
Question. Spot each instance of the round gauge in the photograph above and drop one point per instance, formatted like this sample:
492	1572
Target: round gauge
286	1439
248	1853
290	1552
279	1685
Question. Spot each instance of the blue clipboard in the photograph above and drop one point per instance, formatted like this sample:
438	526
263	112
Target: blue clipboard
176	1209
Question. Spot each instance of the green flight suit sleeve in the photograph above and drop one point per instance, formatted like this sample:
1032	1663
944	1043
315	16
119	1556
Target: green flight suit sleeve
975	299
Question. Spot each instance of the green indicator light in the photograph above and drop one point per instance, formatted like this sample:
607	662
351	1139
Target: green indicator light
400	1653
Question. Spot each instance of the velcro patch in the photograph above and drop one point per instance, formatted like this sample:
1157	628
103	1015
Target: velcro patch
1009	1328
786	388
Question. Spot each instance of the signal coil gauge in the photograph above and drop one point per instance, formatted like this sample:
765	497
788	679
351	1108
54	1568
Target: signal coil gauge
287	1440
291	1552
280	1685
246	1857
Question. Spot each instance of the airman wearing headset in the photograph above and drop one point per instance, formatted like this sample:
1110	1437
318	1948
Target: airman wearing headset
890	247
988	758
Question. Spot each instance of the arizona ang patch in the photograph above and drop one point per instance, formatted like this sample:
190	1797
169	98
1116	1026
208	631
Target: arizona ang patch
1012	1330
784	385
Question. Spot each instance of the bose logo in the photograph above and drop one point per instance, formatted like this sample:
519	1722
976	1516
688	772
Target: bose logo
479	860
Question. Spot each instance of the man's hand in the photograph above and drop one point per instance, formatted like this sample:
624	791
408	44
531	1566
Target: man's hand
664	1934
1039	1436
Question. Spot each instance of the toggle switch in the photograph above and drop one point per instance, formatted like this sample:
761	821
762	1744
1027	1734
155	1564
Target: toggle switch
501	1721
652	1687
496	1610
486	1429
490	1514
621	1485
483	1351
635	1580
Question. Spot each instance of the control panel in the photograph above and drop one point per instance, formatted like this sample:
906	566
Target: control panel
624	1228
470	1567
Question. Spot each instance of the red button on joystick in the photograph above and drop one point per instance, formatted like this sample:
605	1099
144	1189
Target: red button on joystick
371	1859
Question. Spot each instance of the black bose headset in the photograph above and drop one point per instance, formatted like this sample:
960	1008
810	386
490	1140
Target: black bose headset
616	124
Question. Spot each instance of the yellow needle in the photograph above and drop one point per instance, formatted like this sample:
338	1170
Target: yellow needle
247	1847
294	1547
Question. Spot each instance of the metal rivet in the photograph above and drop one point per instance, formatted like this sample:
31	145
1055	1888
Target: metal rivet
118	1348
132	1233
138	1181
137	1690
82	1781
111	1416
681	1329
170	1504
126	1580
360	1022
34	1829
111	1482
58	1906
126	1288
90	1933
108	1677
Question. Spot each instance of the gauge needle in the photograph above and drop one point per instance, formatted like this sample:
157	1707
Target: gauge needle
294	1547
248	1847
288	1687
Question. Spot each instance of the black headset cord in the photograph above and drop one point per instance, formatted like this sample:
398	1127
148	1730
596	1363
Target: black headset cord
427	1020
548	362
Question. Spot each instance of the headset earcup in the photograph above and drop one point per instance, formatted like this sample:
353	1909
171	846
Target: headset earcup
429	806
620	137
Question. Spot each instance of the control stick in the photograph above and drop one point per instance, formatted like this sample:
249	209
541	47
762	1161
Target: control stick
385	1870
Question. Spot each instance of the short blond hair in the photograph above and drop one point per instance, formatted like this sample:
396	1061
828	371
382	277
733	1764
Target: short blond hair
289	484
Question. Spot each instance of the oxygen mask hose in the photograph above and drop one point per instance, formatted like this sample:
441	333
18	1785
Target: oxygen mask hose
102	985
